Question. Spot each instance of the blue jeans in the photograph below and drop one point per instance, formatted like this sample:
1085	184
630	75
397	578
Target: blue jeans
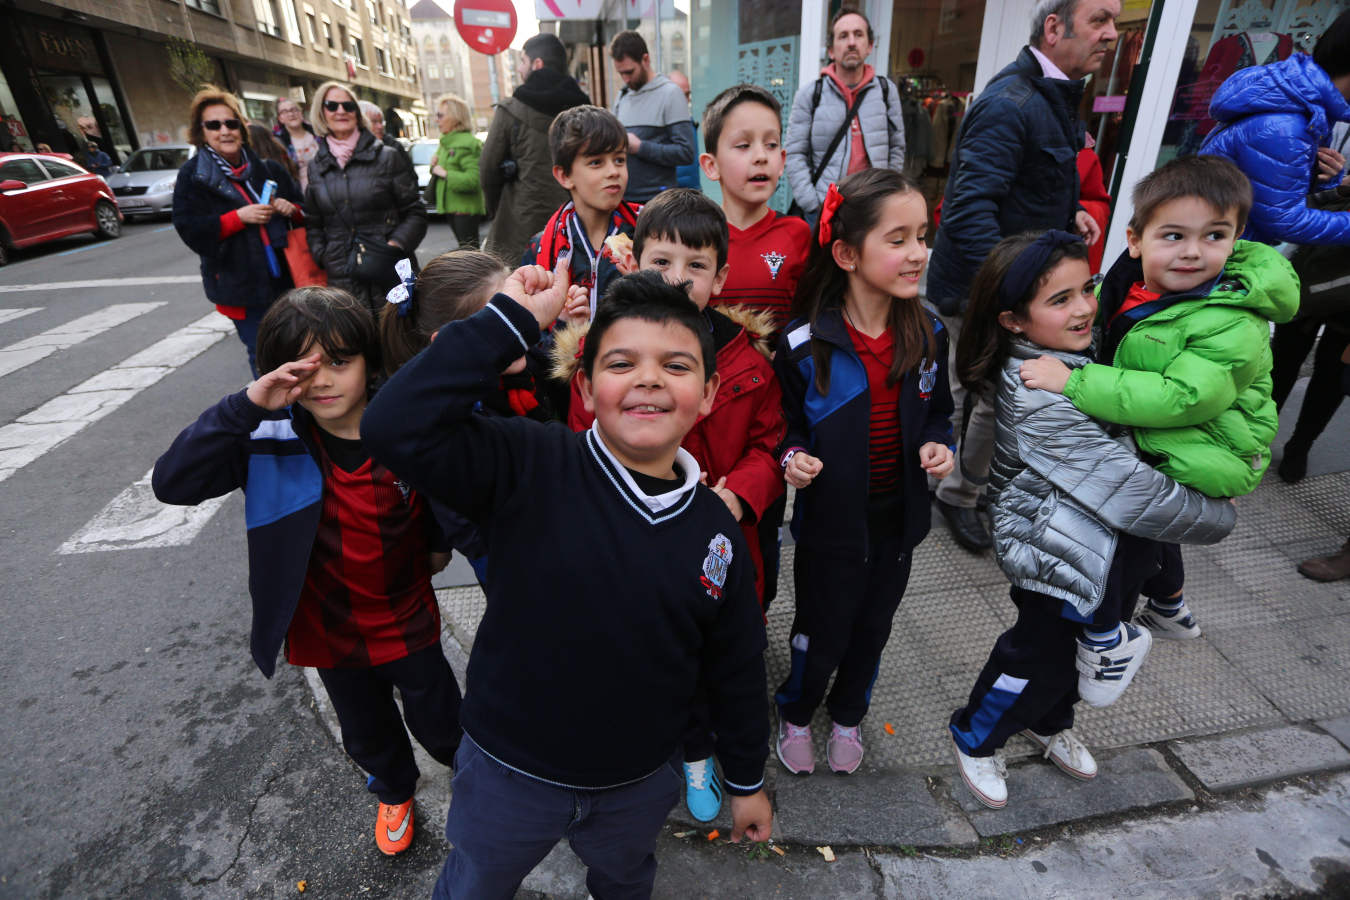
503	823
247	328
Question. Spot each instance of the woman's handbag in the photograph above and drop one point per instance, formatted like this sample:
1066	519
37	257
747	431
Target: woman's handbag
429	192
305	272
374	263
1324	269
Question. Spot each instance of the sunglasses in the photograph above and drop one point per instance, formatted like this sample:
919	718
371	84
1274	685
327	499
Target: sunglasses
217	124
332	105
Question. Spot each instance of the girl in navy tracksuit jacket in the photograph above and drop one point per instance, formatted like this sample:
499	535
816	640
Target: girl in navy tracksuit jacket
868	409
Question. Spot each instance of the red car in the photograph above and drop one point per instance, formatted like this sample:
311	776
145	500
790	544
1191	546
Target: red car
44	197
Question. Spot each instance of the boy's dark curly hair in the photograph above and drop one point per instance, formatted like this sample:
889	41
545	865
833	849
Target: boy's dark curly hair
647	296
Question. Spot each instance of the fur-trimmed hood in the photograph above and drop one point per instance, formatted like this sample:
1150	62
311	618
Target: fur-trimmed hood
568	340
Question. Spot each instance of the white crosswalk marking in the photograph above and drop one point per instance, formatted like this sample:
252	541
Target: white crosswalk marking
135	519
35	433
103	283
9	315
40	346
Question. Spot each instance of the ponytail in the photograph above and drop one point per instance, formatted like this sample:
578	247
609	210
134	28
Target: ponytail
452	286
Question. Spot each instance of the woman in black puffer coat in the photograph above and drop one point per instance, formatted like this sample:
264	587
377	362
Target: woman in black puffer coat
358	188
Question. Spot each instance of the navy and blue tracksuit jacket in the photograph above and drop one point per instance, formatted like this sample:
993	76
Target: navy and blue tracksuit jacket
274	458
830	515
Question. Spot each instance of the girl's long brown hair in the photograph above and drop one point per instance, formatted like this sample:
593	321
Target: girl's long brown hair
822	284
452	286
984	343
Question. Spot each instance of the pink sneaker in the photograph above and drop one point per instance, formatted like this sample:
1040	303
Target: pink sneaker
794	747
845	750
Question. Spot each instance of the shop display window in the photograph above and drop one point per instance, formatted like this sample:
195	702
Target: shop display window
1227	35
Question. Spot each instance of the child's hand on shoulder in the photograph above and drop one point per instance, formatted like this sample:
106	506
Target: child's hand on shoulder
1045	373
540	291
578	305
937	459
284	384
801	469
752	817
726	495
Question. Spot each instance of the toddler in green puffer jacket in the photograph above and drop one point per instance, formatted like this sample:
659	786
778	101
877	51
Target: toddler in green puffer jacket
1185	316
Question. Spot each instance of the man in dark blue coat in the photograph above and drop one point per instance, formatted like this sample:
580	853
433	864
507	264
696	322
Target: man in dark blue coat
1014	169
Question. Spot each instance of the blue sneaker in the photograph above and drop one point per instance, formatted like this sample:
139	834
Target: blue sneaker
702	790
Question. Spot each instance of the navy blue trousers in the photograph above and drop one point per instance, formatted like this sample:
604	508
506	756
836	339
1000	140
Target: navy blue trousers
502	823
372	730
1030	680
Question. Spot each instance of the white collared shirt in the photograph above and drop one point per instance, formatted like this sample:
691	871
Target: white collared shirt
1048	68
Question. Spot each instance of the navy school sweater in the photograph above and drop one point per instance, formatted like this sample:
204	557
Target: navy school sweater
605	606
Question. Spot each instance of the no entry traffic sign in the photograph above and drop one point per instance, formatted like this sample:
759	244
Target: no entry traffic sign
487	26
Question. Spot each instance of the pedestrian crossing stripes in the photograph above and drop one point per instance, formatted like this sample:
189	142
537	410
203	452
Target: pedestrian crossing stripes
101	283
9	315
35	433
62	337
136	520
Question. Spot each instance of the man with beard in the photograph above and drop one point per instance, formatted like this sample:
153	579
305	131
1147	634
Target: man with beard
656	115
1014	169
847	120
516	167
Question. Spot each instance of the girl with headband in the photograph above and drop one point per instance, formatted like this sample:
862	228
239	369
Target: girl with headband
865	394
1076	513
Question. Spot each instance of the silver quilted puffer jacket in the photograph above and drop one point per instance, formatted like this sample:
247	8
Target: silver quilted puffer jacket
1063	484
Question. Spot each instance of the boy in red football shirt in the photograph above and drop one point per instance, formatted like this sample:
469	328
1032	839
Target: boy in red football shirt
340	550
742	132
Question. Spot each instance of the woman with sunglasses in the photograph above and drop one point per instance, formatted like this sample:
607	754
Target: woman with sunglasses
365	212
220	213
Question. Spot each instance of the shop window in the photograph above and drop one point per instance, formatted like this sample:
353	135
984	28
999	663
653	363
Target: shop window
1107	92
1227	35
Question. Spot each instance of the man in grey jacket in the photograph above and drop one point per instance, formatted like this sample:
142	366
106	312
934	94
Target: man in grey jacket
656	115
875	135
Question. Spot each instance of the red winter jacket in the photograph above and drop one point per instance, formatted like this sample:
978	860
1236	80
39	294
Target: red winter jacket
740	437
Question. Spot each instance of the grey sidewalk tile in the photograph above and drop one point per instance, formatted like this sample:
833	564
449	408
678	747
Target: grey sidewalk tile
1257	757
1300	667
893	809
1338	728
1040	795
688	870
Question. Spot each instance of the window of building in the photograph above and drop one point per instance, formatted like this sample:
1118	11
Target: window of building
313	27
292	22
328	34
359	50
343	43
445	44
428	44
210	6
373	12
266	12
382	61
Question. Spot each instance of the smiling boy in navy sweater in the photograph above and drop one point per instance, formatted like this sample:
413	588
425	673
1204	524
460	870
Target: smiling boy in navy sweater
581	680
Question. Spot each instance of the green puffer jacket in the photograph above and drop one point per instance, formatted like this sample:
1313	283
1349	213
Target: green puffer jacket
1193	377
458	192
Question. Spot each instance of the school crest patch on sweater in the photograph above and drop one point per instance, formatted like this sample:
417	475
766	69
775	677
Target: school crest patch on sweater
716	564
774	260
927	378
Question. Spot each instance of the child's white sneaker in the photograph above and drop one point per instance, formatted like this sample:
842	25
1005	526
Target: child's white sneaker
1066	751
986	776
1172	625
1103	674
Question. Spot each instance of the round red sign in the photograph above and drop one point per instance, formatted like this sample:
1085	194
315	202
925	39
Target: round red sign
487	26
915	58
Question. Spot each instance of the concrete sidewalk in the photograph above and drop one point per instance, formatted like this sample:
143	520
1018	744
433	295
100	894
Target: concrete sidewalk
1187	756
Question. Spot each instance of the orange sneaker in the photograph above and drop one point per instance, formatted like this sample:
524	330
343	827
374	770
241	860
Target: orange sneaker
394	828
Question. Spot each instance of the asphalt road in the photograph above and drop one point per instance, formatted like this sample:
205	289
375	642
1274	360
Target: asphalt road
145	754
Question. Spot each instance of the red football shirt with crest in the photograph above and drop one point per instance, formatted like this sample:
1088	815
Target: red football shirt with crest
767	259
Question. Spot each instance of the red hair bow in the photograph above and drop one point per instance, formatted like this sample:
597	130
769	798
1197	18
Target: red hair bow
832	200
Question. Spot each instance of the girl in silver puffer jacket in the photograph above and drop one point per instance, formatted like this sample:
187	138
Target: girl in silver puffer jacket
1077	515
